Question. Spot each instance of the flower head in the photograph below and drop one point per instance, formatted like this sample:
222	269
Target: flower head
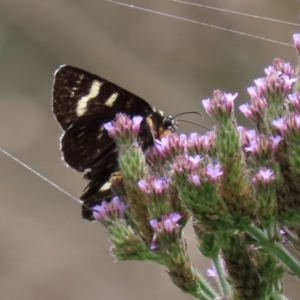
194	179
264	176
124	129
295	100
261	144
220	103
275	84
213	172
168	223
257	109
154	185
280	124
296	38
109	211
200	144
172	145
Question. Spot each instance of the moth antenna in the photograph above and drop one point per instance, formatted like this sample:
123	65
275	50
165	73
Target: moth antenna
189	112
194	123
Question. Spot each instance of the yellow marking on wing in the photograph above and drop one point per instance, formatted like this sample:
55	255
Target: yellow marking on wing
82	103
111	100
105	186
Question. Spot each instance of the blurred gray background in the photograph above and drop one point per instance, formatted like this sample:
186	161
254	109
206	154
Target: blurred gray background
46	250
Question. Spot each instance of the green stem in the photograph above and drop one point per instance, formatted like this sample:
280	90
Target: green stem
207	289
274	248
221	277
278	297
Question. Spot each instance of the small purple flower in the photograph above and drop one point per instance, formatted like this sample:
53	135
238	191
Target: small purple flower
220	103
172	145
154	245
269	70
292	122
109	210
167	224
200	143
262	144
296	38
100	211
257	109
280	124
154	156
118	206
252	91
194	179
181	164
295	100
211	272
281	66
285	68
287	82
297	121
229	99
124	129
159	185
195	161
155	225
154	185
275	140
264	175
213	172
260	86
251	134
170	222
110	128
144	186
247	135
163	145
207	107
136	122
276	83
245	109
205	140
253	147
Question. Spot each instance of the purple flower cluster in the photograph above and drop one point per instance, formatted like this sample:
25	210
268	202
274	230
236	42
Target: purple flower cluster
108	211
154	185
123	127
259	143
195	170
256	110
200	143
172	146
273	88
220	103
288	125
167	224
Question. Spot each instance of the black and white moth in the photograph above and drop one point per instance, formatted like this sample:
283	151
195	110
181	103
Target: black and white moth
82	103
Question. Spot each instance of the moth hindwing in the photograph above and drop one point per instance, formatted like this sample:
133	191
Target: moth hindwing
82	103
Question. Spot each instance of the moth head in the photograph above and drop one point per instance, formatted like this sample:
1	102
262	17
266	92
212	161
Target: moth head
170	123
161	125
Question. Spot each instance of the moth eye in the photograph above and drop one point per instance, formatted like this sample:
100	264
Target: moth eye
168	122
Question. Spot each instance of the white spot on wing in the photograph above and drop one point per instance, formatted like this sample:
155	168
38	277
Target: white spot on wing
105	186
111	100
82	103
100	133
161	113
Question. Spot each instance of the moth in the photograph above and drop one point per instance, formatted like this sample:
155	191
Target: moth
82	103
